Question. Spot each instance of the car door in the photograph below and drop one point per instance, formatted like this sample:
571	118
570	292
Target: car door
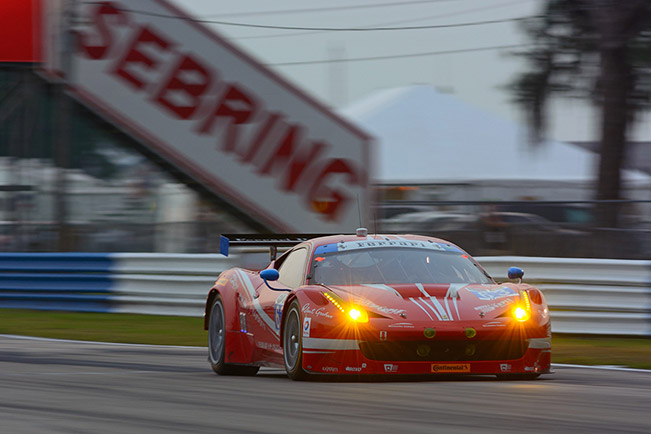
291	267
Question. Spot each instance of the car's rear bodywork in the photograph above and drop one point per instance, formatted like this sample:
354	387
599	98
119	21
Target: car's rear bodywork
408	324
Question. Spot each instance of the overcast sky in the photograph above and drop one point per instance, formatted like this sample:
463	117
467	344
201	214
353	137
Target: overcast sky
305	56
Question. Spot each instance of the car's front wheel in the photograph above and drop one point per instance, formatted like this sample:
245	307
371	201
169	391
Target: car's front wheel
217	343
293	343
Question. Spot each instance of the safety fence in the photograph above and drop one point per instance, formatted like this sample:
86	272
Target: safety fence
163	284
586	296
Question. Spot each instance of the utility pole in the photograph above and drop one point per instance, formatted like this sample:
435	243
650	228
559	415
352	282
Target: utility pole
62	121
337	75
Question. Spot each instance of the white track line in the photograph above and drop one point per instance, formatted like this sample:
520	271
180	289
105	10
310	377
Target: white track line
32	338
606	368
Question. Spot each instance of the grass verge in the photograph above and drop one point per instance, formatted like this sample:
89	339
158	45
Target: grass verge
105	327
174	330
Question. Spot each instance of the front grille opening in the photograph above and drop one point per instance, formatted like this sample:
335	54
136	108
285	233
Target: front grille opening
414	351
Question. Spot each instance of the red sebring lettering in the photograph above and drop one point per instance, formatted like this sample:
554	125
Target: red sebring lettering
292	158
135	56
103	14
189	78
274	146
235	105
326	200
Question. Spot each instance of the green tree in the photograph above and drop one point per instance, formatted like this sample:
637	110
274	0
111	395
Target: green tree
596	49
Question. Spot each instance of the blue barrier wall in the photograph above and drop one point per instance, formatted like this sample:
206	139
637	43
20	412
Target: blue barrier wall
56	281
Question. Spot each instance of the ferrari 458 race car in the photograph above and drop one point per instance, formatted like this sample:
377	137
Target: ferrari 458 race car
374	304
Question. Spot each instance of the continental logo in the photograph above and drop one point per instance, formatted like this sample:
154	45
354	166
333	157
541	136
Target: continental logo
451	368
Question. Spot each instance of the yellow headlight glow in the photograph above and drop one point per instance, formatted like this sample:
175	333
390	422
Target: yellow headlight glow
524	295
523	312
358	314
520	314
333	301
355	313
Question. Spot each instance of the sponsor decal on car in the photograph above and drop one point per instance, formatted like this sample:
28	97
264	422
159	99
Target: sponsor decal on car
382	309
330	369
371	244
307	323
450	368
494	324
268	346
317	312
353	369
505	367
259	320
493	294
389	367
383	335
222	281
402	325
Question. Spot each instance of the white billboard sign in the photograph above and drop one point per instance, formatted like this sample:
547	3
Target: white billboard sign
220	116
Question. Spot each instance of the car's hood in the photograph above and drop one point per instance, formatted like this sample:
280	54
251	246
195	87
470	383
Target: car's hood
443	302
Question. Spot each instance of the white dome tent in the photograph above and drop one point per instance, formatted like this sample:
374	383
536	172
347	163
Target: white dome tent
429	138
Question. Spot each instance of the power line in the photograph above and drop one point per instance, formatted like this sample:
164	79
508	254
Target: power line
324	9
367	29
399	56
449	14
328	29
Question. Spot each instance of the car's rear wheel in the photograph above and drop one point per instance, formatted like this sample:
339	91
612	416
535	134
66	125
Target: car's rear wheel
293	343
217	343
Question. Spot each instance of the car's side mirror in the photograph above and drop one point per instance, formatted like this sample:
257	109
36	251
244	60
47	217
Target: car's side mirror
271	274
515	273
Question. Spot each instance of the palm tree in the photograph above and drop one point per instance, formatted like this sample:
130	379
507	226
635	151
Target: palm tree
597	49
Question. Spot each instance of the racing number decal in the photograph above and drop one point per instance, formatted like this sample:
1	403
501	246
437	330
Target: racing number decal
278	310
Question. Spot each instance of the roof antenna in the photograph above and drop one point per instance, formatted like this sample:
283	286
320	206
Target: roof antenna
361	231
375	221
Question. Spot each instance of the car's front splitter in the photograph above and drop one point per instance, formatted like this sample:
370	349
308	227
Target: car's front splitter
353	362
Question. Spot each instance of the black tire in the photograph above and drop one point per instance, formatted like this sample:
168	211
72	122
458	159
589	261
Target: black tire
217	344
293	343
515	377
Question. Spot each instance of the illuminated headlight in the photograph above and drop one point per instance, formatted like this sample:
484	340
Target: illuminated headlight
523	312
520	314
358	314
355	313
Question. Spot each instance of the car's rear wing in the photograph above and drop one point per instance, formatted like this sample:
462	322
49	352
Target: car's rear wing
273	241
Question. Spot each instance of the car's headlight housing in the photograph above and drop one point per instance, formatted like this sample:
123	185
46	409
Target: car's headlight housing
353	312
358	314
522	312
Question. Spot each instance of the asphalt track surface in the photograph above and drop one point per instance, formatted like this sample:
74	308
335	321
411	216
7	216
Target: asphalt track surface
49	386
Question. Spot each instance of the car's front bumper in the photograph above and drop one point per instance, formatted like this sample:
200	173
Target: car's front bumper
534	361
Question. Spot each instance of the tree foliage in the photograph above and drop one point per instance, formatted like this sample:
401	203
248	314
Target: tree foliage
594	49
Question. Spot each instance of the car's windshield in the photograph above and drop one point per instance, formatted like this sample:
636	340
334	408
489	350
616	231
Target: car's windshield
393	265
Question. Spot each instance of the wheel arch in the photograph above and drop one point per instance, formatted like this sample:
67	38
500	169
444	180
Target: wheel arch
292	296
229	300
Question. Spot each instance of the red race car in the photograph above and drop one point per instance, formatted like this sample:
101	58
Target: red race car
374	304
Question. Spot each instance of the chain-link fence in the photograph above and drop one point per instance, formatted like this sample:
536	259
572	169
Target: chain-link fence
527	228
512	228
